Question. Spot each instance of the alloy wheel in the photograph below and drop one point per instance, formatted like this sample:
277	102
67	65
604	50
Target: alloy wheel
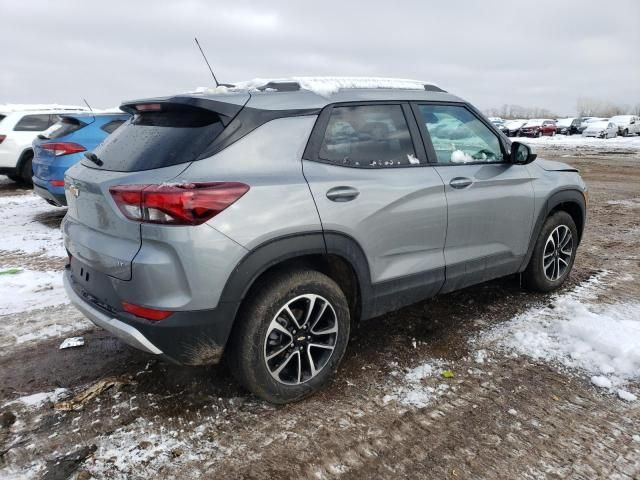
301	339
558	251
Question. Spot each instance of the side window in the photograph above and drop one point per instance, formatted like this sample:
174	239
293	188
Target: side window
32	123
111	126
368	136
458	136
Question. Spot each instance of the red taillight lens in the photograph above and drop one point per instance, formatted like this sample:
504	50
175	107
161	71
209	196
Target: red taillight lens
57	183
62	148
2	137
179	204
148	313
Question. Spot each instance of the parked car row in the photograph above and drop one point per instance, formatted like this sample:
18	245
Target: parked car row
624	125
38	144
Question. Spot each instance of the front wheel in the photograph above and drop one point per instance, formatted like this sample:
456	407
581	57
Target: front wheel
553	254
625	133
291	336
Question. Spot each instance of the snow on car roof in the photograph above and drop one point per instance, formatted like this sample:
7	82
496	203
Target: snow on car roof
24	107
598	124
324	86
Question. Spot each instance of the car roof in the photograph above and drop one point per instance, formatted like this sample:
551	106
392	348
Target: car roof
316	92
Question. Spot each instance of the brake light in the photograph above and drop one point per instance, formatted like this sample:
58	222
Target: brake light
149	107
148	313
2	137
57	183
62	148
176	204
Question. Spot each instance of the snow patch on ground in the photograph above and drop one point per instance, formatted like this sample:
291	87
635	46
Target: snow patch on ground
414	392
597	338
631	202
37	400
23	229
574	142
30	290
143	449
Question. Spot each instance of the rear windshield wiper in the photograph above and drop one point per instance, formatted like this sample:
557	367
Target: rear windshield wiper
42	137
94	158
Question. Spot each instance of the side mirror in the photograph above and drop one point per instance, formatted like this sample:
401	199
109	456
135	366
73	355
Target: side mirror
522	154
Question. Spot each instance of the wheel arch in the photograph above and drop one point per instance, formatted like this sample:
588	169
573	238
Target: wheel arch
571	201
337	256
23	156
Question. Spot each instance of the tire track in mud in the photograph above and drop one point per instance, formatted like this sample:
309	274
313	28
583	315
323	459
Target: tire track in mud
486	427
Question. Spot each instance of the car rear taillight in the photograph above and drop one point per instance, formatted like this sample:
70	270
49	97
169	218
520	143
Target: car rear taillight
176	204
57	183
2	137
148	313
62	148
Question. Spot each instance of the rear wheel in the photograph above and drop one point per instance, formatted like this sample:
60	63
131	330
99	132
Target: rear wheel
553	254
26	169
291	336
625	133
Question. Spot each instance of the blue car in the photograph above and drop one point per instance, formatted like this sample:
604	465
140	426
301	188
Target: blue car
63	145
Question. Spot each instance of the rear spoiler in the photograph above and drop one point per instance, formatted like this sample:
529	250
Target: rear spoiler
226	110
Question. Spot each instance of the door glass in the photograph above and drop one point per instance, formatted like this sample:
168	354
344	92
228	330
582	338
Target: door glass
370	136
458	136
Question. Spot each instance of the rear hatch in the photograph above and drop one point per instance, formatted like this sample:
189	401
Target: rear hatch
44	158
153	147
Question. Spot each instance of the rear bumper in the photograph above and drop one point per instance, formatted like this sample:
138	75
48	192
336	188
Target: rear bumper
57	199
186	337
125	332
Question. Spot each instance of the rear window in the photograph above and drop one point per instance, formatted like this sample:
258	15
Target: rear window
33	123
155	139
63	127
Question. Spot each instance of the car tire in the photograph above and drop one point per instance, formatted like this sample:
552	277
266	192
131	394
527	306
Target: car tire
625	133
26	169
539	134
557	243
271	354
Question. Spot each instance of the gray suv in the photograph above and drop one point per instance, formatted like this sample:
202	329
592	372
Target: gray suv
267	223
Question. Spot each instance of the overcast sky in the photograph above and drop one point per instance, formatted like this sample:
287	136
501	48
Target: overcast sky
543	53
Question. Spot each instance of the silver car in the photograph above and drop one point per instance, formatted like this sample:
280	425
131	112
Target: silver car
266	223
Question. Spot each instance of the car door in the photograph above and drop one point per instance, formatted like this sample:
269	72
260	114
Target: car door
490	201
371	183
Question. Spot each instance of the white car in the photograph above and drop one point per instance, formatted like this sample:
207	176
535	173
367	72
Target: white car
627	124
19	126
603	129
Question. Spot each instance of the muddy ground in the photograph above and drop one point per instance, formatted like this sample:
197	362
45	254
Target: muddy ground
501	416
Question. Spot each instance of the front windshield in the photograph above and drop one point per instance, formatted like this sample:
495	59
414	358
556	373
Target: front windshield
565	122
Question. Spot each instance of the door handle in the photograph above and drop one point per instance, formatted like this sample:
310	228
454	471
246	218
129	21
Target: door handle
342	194
460	182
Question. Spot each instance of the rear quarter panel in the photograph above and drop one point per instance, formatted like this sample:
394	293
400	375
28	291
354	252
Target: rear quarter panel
269	160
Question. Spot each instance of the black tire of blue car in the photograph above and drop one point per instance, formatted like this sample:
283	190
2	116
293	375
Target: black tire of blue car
26	169
246	354
534	276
